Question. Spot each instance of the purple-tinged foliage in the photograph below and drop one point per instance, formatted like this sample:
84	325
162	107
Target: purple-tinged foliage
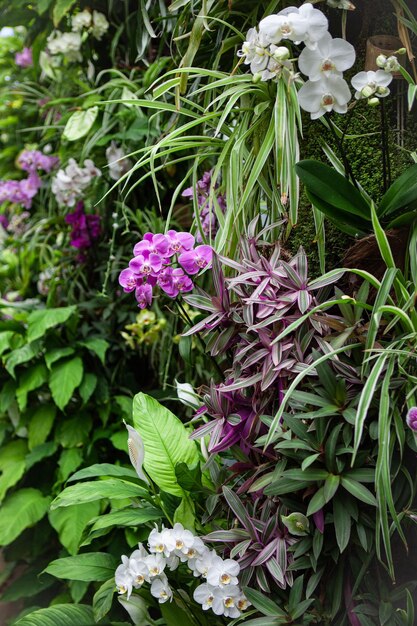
258	542
246	315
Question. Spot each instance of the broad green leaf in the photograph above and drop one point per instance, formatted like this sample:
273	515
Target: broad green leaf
103	599
48	448
358	490
59	615
65	378
22	509
89	567
61	8
74	432
174	615
87	387
80	123
30	379
104	469
185	513
57	353
12	465
69	523
5	340
126	517
264	604
91	491
137	609
328	185
40	321
96	345
41	424
68	462
401	195
21	355
166	442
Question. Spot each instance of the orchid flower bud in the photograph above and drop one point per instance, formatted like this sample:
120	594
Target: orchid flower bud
281	53
367	91
373	102
381	61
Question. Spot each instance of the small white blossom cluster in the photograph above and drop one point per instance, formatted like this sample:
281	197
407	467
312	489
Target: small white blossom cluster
371	85
68	184
69	44
117	161
167	549
65	44
262	51
95	23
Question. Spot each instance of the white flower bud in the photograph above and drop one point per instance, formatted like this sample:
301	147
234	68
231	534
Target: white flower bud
367	91
373	102
187	395
382	91
381	61
281	53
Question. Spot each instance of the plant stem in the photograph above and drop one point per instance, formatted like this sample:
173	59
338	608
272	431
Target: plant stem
386	161
339	143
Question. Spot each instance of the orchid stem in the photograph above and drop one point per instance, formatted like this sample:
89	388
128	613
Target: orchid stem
339	143
386	162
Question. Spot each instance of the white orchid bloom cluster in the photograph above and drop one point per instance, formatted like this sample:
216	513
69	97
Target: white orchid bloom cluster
117	161
95	23
323	59
371	85
68	184
68	45
167	549
262	51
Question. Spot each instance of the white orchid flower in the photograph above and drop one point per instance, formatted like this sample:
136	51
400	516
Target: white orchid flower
322	96
331	56
368	84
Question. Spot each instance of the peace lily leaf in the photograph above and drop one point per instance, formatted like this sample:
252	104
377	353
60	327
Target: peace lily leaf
103	599
97	490
80	123
69	522
126	517
19	511
93	566
59	615
166	442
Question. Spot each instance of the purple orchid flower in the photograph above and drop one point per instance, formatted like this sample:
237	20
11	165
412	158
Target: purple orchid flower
129	280
24	58
85	228
146	265
197	259
143	295
152	244
175	282
412	419
179	242
33	160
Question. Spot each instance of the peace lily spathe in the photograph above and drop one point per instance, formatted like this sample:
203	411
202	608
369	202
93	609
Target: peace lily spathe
136	451
187	395
330	57
322	96
368	84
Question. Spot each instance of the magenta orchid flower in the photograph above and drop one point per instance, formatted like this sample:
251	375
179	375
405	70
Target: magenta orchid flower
24	58
143	295
179	242
412	418
152	244
175	281
129	280
197	259
146	266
